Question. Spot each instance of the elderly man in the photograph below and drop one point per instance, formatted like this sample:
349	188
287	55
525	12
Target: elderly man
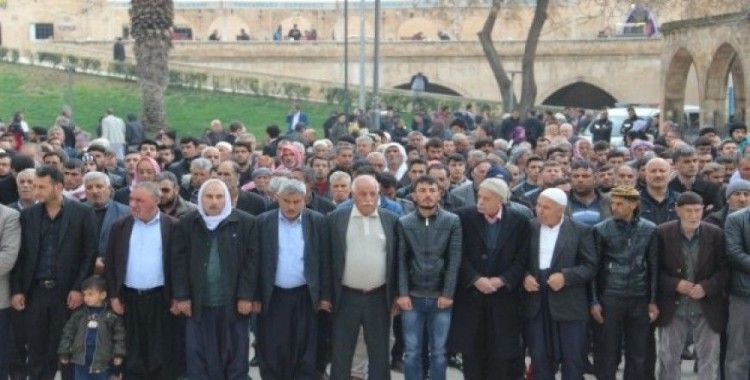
377	161
363	247
57	253
138	277
624	292
340	187
98	195
738	197
429	255
25	184
692	280
10	243
200	171
561	262
215	288
294	283
486	325
466	194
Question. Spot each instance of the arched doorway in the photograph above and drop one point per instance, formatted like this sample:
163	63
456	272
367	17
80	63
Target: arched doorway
581	94
228	27
674	86
432	88
725	64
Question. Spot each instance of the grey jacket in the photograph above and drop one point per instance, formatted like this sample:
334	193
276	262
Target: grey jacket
429	254
10	243
115	211
737	233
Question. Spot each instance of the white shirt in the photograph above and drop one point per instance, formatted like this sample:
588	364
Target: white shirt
365	263
547	239
113	129
145	266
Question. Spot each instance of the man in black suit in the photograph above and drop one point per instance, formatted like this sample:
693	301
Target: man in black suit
363	245
486	325
137	265
58	250
561	262
294	282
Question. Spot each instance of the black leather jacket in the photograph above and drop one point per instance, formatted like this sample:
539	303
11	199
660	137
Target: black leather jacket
429	254
628	259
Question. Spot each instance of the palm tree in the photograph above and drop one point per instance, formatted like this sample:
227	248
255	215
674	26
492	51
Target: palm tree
151	28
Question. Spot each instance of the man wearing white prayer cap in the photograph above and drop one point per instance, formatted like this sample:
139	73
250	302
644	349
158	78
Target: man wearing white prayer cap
560	264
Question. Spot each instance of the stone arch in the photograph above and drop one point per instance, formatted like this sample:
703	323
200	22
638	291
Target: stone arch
303	24
432	87
675	83
471	26
724	61
354	28
413	26
581	94
229	30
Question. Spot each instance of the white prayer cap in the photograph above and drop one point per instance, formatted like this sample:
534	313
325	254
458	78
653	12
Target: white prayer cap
555	195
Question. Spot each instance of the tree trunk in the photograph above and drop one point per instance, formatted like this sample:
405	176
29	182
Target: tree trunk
528	81
151	22
496	64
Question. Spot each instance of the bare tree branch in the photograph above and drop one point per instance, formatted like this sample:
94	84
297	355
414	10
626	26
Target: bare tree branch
528	81
493	58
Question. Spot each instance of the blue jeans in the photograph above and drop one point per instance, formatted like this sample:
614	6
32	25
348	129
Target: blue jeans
425	314
82	373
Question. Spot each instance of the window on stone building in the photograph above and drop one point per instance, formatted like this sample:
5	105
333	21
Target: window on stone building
43	31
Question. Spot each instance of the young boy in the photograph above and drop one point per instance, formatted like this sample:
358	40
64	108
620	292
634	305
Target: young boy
94	336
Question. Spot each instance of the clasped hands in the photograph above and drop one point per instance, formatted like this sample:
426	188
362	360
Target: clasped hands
556	281
489	285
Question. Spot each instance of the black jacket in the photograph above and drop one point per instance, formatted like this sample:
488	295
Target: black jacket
710	192
76	248
508	261
573	256
429	254
238	256
251	203
628	259
601	130
118	251
316	256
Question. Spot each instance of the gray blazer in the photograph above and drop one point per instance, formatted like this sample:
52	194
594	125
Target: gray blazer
10	243
115	211
737	233
338	223
574	256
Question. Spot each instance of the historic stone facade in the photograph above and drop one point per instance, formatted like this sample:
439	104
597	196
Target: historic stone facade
716	47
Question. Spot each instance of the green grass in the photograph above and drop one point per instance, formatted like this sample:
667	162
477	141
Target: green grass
40	93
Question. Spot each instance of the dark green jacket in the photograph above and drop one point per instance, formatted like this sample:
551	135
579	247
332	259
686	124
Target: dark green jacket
110	339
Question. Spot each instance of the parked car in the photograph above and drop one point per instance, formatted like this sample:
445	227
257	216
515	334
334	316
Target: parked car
617	116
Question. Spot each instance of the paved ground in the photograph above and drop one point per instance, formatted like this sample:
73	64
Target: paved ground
687	373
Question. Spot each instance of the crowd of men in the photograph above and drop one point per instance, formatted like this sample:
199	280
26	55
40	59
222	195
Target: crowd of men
472	242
